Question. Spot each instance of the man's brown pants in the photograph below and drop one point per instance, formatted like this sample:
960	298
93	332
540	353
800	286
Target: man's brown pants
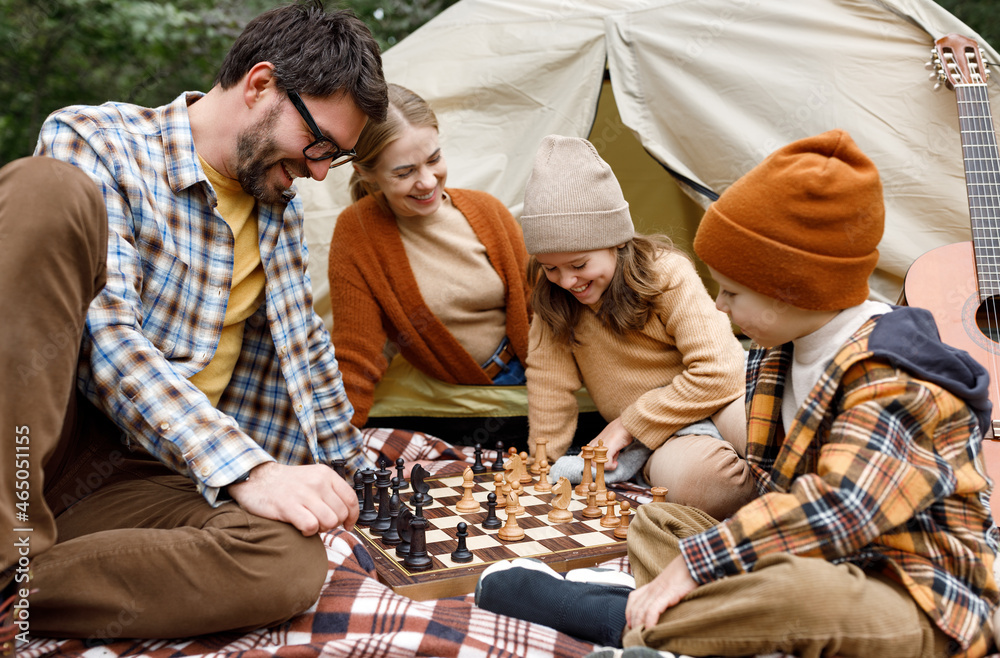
116	544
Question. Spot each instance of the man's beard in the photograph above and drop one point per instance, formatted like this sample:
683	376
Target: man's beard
255	151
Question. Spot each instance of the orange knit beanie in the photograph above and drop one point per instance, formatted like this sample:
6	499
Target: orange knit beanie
802	227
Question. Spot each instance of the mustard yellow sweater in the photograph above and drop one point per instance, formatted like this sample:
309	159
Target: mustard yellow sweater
682	367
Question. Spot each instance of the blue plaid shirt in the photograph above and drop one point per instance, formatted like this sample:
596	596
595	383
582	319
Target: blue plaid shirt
159	318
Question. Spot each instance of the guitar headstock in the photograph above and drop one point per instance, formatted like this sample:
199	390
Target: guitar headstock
957	60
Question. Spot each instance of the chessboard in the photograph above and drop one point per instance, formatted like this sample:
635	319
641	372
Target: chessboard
581	542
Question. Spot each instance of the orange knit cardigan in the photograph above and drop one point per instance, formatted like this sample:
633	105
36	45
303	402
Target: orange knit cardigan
375	297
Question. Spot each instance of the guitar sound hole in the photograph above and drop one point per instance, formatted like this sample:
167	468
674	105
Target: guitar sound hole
988	318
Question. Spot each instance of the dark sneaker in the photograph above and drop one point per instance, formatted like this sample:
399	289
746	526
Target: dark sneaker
531	590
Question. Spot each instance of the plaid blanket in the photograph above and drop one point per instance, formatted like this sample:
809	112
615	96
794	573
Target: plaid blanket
355	614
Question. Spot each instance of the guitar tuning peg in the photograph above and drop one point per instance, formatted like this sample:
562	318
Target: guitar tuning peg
933	76
929	66
937	85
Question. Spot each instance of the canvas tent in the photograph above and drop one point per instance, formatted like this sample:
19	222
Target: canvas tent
700	88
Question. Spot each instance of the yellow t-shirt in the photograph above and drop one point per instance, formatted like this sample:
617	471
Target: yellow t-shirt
239	209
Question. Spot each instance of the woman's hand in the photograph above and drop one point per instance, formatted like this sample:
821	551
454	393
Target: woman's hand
647	603
615	438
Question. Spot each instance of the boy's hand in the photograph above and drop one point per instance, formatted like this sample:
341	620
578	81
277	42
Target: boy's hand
311	497
615	438
647	603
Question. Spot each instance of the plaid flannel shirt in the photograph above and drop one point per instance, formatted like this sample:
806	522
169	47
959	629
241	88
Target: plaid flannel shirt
159	318
879	469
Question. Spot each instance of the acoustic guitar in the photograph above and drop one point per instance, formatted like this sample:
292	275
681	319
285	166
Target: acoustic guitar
960	283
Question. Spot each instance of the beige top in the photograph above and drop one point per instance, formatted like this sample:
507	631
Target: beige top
682	367
456	279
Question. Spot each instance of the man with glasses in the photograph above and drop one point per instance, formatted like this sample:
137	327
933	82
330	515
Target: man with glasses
187	478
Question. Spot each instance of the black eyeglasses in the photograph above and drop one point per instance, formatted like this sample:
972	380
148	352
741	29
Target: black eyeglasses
323	148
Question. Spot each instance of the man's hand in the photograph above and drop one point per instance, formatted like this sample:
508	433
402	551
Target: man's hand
312	498
615	438
646	604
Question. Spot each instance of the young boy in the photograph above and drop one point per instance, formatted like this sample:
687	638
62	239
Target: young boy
872	534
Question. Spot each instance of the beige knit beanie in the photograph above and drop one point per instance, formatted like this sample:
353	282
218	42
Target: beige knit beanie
572	201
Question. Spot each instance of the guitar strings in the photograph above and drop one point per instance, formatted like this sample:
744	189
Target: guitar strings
984	204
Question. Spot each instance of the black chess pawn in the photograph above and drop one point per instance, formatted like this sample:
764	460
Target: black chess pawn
492	521
478	466
462	552
368	513
498	464
417	559
400	467
359	486
381	522
403	527
391	536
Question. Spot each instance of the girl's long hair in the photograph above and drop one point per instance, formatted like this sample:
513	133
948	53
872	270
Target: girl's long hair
625	305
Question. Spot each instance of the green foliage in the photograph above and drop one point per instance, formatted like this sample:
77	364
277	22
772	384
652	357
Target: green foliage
981	15
393	20
65	52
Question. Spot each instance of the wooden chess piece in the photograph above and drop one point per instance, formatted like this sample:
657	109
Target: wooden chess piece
478	467
539	456
659	494
368	513
403	526
339	467
591	511
511	531
601	458
467	505
492	521
391	536
513	470
587	452
417	559
621	532
462	552
543	483
516	491
562	494
498	463
525	475
421	489
500	486
359	486
610	519
382	520
400	469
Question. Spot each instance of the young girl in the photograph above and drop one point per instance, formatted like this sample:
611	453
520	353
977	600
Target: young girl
628	317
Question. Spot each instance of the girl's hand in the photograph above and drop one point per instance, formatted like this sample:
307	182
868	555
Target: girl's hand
615	438
646	604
